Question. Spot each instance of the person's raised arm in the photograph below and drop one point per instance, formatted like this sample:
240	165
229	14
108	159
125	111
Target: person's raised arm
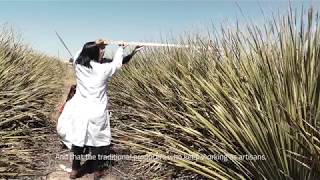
127	58
116	62
118	58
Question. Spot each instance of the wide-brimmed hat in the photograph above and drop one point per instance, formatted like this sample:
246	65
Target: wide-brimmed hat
101	42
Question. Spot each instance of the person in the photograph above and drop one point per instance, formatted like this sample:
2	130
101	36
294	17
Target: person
85	120
102	44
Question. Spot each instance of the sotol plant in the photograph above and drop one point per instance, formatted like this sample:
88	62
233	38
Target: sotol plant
30	87
248	92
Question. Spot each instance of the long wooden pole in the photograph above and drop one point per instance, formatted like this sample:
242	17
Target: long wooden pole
149	44
157	44
64	44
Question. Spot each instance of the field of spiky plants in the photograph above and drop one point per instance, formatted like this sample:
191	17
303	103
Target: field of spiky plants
251	94
30	87
250	91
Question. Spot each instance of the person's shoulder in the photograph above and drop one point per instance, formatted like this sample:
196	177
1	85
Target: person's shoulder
106	60
94	63
97	65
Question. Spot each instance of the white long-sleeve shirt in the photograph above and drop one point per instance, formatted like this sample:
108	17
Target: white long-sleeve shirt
85	118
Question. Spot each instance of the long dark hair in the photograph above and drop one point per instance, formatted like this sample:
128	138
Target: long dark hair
90	51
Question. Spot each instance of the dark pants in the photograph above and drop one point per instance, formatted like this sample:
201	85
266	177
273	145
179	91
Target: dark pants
97	154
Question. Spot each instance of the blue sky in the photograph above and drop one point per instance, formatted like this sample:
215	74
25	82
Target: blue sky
81	21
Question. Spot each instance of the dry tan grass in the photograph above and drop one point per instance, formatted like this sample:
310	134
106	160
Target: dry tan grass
30	88
257	95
